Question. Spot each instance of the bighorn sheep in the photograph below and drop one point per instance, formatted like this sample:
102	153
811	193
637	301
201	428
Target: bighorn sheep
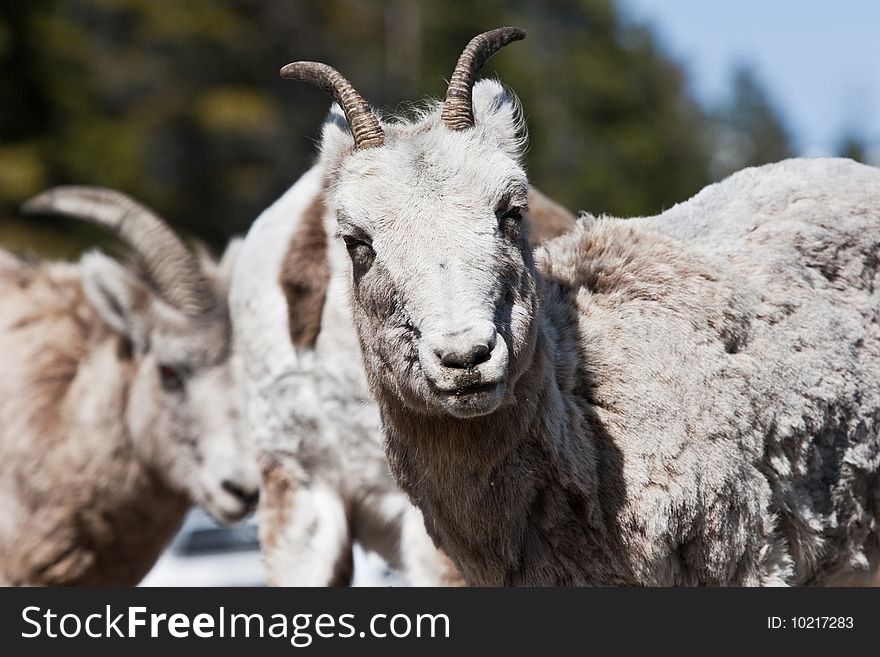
118	407
326	482
691	398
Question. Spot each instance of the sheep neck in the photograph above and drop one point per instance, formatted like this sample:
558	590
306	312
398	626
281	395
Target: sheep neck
489	486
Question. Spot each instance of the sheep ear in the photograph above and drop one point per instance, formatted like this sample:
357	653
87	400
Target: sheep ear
498	111
219	272
337	142
120	298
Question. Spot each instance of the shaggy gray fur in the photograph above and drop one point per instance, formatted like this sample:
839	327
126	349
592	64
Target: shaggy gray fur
692	398
702	407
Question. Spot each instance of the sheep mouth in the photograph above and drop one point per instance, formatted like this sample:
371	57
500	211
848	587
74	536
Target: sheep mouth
467	389
227	509
471	399
465	392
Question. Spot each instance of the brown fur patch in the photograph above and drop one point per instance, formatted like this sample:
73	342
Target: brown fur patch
549	218
452	575
50	320
276	484
305	274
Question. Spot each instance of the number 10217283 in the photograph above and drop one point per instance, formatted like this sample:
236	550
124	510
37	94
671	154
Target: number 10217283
810	623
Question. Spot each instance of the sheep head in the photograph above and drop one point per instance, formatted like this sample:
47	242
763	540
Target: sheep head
170	315
432	213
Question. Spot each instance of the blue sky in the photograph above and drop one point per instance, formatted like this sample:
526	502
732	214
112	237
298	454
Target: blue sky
819	60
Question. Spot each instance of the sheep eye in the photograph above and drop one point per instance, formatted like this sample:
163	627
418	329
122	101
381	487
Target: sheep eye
171	381
510	220
361	253
513	213
353	242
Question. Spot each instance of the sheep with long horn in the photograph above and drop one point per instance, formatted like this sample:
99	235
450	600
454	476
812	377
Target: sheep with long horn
686	399
119	404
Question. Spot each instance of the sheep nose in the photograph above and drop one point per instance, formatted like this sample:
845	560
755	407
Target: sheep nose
248	496
466	347
465	357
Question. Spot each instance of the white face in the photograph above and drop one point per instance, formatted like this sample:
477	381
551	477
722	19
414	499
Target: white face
185	417
184	397
441	281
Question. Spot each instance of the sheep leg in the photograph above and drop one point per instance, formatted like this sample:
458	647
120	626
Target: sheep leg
423	563
304	531
388	524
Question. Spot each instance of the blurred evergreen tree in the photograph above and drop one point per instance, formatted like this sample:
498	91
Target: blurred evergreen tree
610	124
180	103
747	130
853	147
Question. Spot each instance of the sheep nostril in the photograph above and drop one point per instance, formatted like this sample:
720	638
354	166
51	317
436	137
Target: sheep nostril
248	497
474	355
480	354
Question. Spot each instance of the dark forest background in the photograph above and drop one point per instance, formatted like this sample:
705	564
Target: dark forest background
180	103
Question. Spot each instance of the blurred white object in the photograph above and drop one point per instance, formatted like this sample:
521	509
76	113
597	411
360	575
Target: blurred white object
205	554
370	569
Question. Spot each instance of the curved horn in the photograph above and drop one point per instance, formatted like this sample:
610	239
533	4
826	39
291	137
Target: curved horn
458	112
364	124
171	267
